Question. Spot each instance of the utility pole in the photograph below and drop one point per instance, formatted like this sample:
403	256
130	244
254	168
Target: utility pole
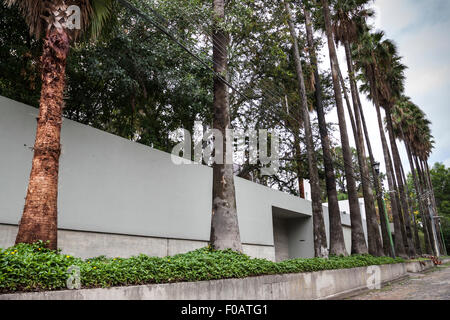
433	227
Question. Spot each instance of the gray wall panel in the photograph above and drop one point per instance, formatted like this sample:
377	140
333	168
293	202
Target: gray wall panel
109	184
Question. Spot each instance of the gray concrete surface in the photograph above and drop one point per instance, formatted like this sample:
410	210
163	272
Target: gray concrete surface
109	186
430	285
112	185
303	286
92	244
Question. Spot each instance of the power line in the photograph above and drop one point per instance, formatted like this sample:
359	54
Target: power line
221	49
127	5
267	92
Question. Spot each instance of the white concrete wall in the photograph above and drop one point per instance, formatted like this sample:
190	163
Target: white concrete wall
85	245
281	239
109	185
344	207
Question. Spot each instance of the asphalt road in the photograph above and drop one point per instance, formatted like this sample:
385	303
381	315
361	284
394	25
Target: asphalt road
431	285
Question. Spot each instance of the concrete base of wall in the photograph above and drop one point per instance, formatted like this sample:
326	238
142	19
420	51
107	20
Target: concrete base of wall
92	244
329	284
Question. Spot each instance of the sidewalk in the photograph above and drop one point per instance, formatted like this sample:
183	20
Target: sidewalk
431	285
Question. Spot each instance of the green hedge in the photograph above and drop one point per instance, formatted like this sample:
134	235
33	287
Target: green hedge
33	267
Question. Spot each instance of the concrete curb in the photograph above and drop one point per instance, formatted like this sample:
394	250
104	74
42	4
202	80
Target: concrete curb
329	284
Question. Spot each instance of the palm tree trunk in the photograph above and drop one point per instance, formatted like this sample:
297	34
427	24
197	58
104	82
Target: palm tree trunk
298	156
433	201
419	199
396	212
320	240
432	208
423	188
330	178
400	184
358	239
410	203
224	221
388	248
39	218
373	231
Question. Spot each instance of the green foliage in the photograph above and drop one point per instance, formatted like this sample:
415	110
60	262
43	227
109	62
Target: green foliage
26	267
440	177
19	58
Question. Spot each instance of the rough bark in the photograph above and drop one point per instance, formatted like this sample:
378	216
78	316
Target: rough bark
224	221
358	239
419	192
330	178
388	248
433	201
427	213
373	232
414	224
39	218
396	212
400	184
320	241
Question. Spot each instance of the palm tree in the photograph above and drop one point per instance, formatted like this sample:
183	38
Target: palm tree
406	118
320	241
224	221
420	162
48	20
349	20
367	52
337	244
424	148
391	87
358	239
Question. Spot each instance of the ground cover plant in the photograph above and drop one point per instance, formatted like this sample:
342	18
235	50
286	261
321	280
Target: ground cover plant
33	267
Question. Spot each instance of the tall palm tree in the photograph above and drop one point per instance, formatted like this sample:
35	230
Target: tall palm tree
367	51
358	239
320	241
337	244
424	151
428	199
48	20
349	19
391	87
224	221
408	119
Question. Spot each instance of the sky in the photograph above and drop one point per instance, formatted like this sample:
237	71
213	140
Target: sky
421	30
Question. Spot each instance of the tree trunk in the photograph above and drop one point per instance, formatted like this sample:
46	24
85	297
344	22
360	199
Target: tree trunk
388	248
298	156
423	188
373	231
224	221
330	178
400	184
396	212
433	201
419	198
358	239
320	240
39	218
410	203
